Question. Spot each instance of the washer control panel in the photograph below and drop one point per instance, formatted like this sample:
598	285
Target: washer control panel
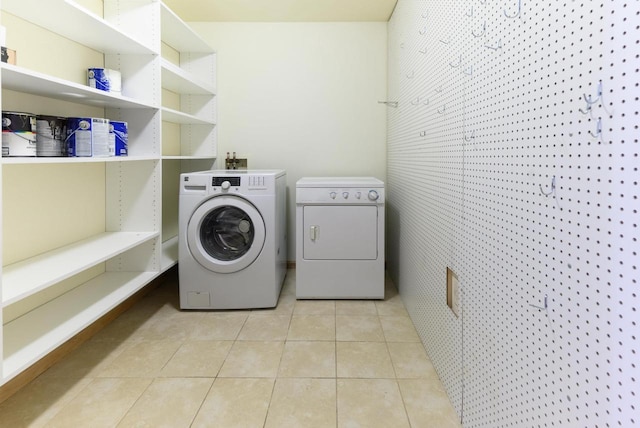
216	182
219	181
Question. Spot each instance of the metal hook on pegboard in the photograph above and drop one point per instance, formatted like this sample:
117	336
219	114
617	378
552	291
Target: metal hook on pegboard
552	191
496	46
590	101
484	30
517	13
542	308
417	102
553	187
598	133
589	104
471	137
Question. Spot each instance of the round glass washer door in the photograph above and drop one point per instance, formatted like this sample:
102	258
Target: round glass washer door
226	234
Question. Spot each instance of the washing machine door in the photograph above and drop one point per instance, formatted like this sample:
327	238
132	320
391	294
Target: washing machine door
226	234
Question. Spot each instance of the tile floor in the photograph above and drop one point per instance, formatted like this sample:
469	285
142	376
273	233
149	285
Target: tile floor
303	364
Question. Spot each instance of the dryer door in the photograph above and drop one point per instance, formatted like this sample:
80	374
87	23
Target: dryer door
340	232
226	234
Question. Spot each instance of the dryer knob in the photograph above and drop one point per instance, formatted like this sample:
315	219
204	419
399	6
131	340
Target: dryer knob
332	195
373	195
345	195
225	185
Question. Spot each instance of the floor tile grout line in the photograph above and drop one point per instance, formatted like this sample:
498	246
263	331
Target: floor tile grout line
236	340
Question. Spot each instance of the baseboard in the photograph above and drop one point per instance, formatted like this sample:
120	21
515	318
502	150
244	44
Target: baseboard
28	375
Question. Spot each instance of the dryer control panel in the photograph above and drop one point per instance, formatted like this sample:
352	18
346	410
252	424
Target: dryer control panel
350	196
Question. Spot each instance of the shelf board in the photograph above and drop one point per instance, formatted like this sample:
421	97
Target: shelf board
175	116
59	160
196	157
71	20
33	335
169	253
23	80
179	81
178	35
25	278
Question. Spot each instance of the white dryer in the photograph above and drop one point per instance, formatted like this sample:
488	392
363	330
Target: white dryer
232	239
340	238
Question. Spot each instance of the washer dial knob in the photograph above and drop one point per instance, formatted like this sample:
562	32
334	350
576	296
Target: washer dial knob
373	195
345	195
332	195
225	185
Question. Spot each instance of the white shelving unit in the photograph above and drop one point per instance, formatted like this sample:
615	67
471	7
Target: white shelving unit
192	79
129	251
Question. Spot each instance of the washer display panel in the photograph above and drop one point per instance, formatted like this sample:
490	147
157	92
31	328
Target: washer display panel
226	234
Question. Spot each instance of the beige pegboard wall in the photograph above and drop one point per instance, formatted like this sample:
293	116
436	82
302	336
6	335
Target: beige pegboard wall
513	159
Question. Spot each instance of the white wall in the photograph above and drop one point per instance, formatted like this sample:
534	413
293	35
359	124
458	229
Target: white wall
302	97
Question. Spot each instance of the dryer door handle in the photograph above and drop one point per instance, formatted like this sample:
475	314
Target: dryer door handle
314	231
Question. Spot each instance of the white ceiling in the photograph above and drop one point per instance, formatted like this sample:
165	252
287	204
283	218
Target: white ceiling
282	10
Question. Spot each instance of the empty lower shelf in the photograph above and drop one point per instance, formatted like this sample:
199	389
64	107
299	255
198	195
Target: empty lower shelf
32	336
25	278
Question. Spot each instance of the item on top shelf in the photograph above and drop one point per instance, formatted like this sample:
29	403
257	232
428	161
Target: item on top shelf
87	136
8	55
50	136
119	137
105	79
18	134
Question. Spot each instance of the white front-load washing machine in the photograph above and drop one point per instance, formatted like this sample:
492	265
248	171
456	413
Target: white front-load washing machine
232	239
